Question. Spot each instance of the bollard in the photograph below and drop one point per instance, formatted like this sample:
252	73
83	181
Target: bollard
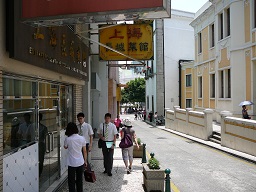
167	180
144	159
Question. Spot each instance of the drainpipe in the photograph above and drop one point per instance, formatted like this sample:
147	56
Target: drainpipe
163	65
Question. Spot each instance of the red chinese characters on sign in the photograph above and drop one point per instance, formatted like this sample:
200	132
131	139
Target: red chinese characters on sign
134	32
134	40
116	35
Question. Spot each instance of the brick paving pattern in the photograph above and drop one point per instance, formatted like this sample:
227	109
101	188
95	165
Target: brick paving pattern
119	182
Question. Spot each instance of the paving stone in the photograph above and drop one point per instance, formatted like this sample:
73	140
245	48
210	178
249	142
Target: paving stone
119	182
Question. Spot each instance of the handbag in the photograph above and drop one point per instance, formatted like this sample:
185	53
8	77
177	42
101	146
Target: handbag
126	141
101	142
89	175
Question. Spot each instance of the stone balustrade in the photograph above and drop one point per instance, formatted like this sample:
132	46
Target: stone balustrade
238	134
194	123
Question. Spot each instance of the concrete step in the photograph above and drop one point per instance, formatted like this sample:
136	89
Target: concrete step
217	137
216	133
215	140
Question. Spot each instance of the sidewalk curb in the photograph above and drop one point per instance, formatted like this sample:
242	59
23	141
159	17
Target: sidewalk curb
238	154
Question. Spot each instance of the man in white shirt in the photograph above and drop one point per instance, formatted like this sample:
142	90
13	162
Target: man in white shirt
86	131
107	132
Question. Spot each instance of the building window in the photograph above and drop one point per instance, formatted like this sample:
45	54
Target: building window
200	87
188	80
212	85
228	22
225	83
228	87
21	115
188	103
199	42
221	26
212	43
221	84
148	102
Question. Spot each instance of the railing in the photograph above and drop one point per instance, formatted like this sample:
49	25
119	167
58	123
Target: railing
194	123
50	141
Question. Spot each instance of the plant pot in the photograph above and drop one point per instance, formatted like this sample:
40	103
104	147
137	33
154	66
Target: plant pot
137	153
153	179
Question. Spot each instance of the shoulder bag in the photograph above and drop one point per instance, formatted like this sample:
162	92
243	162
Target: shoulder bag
101	142
126	142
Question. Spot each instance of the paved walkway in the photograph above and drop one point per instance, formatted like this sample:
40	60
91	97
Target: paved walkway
196	167
119	182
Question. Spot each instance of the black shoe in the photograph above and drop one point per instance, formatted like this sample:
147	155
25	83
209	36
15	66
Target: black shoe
128	171
105	172
109	174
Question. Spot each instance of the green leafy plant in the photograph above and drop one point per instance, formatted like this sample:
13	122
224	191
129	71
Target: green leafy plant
139	141
153	163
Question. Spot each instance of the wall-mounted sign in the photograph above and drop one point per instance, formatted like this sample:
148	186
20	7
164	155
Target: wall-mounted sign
54	48
133	40
92	11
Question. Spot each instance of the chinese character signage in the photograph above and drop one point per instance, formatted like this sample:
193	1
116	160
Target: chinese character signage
135	41
54	48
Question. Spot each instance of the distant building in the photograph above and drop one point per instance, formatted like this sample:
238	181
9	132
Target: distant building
174	42
130	73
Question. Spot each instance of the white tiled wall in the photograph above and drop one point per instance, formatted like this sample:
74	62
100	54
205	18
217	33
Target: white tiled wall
63	153
20	171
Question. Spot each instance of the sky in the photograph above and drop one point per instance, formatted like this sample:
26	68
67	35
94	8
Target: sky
188	5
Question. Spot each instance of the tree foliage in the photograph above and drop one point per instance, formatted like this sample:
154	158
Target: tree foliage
135	91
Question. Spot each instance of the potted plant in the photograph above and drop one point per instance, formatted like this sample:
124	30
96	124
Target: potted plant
138	153
153	175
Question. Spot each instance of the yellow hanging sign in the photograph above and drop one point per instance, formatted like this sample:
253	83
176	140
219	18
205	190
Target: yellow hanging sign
134	40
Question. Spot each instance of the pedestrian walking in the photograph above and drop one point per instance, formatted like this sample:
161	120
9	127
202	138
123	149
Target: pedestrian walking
76	160
144	115
86	131
128	134
107	132
118	123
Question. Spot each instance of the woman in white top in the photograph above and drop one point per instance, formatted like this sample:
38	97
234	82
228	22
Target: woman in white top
76	159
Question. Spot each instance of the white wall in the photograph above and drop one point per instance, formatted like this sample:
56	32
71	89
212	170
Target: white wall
178	44
151	91
99	98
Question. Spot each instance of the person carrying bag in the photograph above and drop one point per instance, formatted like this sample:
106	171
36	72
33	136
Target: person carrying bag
126	145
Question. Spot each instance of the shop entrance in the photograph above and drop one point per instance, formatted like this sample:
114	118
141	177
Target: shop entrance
35	112
48	132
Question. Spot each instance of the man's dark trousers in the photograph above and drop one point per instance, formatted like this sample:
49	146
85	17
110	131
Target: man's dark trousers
108	158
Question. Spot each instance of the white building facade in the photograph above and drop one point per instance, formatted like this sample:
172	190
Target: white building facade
173	43
179	46
224	72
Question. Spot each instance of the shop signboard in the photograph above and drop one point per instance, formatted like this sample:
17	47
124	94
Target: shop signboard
93	11
133	40
54	48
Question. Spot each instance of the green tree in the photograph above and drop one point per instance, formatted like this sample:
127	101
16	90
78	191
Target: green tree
135	91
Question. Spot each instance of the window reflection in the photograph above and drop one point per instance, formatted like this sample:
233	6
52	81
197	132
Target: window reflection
21	117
